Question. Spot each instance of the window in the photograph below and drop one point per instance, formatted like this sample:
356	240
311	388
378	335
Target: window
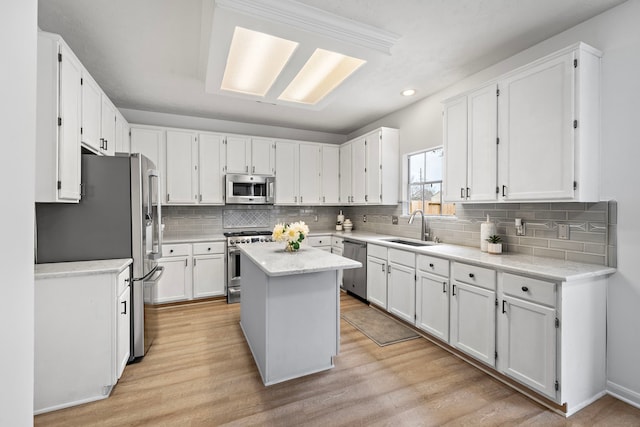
425	183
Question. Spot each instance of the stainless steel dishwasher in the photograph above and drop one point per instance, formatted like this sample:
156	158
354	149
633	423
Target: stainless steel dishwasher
354	280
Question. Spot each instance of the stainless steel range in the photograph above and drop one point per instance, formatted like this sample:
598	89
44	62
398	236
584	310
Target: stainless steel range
233	258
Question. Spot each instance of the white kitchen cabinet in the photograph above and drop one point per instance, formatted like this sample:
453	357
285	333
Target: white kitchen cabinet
287	183
401	284
250	155
149	142
58	121
91	112
372	177
432	296
330	174
473	311
181	167
208	276
377	275
175	283
108	127
211	167
322	242
81	341
122	144
470	145
123	310
337	246
309	173
346	183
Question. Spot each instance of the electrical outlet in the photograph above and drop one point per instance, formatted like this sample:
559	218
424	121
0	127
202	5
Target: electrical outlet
364	218
394	220
563	231
315	218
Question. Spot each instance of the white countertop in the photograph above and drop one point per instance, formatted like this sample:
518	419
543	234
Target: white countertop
81	268
542	267
198	239
275	261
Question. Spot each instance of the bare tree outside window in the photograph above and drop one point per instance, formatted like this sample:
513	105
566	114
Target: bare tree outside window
425	183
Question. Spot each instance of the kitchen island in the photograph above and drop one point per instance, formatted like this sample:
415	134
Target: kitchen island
290	309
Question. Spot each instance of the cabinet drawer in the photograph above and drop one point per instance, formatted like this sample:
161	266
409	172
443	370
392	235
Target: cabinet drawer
433	265
377	251
176	250
402	257
319	240
535	290
208	248
337	242
479	276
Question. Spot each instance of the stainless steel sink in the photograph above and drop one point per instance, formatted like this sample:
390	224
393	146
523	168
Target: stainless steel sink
409	242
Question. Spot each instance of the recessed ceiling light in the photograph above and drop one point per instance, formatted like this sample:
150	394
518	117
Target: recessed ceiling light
322	73
408	92
255	60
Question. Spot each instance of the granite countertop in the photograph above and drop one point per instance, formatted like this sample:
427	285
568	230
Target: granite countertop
81	268
542	267
275	261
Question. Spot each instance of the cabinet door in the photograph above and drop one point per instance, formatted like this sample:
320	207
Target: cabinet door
346	190
359	171
402	292
91	112
309	174
482	161
262	156
174	283
536	112
377	281
182	164
373	162
432	305
473	321
122	134
69	131
238	154
208	276
149	142
330	174
286	172
108	127
123	342
527	339
211	156
454	184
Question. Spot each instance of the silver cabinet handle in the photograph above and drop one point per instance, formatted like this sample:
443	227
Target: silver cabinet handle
300	199
246	168
253	169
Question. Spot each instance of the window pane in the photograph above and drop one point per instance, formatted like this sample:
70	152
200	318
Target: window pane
416	198
433	165
416	168
433	199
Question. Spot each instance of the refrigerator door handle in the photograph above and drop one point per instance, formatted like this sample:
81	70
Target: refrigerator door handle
152	173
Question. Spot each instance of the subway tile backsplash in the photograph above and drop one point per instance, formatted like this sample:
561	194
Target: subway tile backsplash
592	226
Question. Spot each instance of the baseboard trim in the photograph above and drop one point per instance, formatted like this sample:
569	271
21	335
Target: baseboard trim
626	395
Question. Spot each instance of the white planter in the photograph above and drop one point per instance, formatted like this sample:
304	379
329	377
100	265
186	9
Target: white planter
494	248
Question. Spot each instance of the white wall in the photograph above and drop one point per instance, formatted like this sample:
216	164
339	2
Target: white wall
18	25
616	33
214	125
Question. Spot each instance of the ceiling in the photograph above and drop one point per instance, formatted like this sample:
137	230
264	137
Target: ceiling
161	55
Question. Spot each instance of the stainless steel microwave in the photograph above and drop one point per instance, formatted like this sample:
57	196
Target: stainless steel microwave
250	189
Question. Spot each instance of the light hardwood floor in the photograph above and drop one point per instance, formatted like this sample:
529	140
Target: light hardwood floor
200	372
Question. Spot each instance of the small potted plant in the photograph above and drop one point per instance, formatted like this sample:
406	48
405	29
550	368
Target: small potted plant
494	245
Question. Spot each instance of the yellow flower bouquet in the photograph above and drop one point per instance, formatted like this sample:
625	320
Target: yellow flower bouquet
293	234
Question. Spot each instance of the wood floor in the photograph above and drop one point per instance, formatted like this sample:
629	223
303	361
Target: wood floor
199	372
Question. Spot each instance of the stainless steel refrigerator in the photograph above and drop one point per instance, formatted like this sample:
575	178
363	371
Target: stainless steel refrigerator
118	216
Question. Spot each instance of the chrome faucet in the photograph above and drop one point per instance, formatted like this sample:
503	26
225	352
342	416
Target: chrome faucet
423	233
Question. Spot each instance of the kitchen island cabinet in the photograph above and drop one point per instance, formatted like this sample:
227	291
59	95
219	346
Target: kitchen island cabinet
290	311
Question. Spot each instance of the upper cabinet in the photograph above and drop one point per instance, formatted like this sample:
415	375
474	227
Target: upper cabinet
59	97
369	168
544	121
330	174
255	156
123	143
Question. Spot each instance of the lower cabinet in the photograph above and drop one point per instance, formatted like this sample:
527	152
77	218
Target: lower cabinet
432	296
337	246
377	275
473	311
191	271
401	284
82	334
321	242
